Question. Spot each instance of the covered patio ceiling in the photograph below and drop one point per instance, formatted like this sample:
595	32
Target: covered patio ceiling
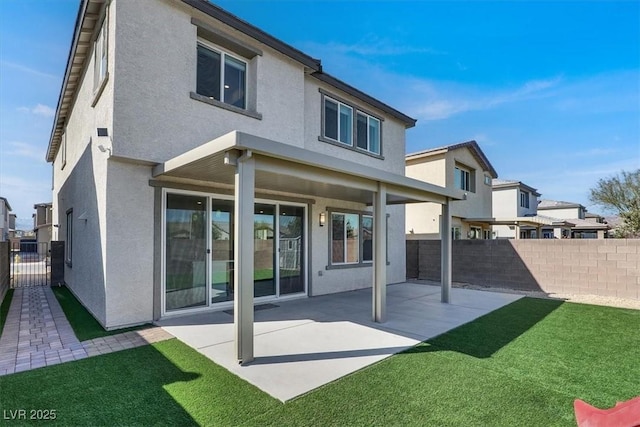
287	168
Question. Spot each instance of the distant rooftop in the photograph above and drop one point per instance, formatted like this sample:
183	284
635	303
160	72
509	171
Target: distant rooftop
557	204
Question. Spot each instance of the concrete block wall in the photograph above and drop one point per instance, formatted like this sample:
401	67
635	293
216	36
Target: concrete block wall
609	267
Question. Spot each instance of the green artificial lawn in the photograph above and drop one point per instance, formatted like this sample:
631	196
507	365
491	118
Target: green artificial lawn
4	308
85	326
523	364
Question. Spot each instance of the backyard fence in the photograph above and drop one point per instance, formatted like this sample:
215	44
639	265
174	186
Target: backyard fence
605	267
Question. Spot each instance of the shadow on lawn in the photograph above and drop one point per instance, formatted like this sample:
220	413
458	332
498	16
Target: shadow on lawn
488	334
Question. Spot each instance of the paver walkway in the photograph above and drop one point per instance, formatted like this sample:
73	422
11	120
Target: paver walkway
37	334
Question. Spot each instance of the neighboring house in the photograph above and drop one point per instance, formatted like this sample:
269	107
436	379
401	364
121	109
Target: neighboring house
42	225
586	226
515	213
185	139
12	225
5	220
463	168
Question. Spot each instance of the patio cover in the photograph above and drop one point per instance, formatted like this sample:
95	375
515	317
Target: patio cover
247	162
538	222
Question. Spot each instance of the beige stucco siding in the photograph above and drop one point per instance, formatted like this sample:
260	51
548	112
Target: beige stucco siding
156	63
129	249
568	213
423	219
81	184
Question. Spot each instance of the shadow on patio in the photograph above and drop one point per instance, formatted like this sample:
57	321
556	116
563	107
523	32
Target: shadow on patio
303	344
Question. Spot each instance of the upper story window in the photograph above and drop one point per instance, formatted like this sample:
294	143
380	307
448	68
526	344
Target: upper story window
368	133
338	121
463	178
524	199
100	56
221	76
487	180
345	124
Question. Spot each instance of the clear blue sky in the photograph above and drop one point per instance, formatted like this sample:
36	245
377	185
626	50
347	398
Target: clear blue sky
550	90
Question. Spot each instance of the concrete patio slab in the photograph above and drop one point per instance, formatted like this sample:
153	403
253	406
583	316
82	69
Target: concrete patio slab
303	344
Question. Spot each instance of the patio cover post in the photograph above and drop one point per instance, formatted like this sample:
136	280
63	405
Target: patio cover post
380	254
445	252
243	246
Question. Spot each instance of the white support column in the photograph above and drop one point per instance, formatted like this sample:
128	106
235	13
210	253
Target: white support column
380	254
243	263
445	254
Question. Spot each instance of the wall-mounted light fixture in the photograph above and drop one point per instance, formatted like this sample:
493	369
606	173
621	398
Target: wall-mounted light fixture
323	218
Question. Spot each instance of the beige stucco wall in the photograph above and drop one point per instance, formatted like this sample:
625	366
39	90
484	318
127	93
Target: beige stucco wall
155	118
569	213
152	70
423	219
81	185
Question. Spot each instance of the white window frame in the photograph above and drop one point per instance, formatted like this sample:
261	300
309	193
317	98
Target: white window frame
525	201
100	56
324	125
63	150
475	232
345	248
223	54
456	233
68	245
369	119
462	172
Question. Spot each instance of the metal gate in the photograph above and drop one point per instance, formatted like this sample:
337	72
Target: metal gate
30	264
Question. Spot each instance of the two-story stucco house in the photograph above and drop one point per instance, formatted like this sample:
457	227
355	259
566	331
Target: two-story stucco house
583	228
465	169
6	227
200	164
42	225
515	213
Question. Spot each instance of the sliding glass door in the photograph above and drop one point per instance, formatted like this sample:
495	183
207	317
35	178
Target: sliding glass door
199	265
185	266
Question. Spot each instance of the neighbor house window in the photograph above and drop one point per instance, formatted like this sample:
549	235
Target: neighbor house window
338	121
524	199
368	133
69	238
456	234
463	178
475	233
221	76
100	56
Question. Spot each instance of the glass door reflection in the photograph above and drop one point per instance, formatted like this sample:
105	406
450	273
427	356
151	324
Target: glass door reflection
185	273
264	250
222	267
291	255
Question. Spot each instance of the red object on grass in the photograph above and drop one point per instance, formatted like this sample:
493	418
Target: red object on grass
624	414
